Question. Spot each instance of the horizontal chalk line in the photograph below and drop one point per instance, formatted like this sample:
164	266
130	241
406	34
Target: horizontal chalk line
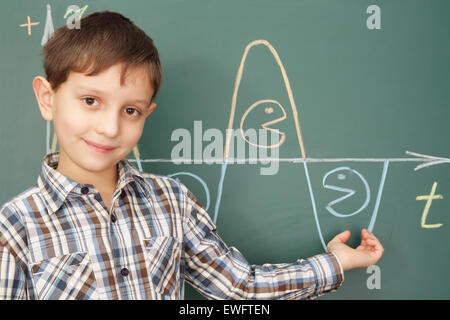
293	160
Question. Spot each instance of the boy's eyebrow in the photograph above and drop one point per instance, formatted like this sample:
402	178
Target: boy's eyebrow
143	101
88	89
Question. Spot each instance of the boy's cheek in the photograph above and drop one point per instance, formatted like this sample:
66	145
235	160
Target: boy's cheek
132	138
66	125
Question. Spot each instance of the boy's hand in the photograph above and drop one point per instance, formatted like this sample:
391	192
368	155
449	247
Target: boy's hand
366	254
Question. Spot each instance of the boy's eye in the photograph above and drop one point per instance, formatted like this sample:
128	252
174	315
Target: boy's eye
93	102
132	112
90	101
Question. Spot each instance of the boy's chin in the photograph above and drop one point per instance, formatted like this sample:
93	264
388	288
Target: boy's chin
98	164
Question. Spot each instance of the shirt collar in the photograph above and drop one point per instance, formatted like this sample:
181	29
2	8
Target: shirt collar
55	186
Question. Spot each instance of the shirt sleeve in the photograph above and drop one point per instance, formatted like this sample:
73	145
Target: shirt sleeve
221	272
12	241
12	277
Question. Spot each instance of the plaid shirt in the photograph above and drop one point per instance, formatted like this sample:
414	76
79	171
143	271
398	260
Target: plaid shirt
59	241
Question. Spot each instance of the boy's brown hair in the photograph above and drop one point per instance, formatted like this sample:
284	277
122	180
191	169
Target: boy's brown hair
104	39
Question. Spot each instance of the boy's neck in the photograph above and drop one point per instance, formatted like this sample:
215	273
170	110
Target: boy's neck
104	181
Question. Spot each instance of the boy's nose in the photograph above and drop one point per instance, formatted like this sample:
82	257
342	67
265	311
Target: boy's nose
108	124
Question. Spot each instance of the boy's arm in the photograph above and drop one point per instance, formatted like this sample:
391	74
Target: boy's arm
221	272
12	242
12	277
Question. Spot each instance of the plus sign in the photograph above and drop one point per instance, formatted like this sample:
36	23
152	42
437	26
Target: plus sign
29	24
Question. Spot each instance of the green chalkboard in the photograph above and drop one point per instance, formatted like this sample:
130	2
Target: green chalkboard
356	93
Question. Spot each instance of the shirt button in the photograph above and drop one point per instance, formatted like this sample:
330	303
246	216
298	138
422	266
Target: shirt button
84	190
124	272
113	218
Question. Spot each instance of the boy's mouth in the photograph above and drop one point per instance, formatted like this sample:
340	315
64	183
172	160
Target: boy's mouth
99	147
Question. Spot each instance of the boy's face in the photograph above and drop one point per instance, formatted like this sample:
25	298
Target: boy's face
90	110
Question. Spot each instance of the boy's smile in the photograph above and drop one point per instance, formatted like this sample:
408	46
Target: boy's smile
97	121
99	148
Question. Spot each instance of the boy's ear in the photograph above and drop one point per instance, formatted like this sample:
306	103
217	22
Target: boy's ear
43	91
150	109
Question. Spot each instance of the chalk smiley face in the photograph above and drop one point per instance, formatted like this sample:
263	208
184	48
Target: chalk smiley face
342	174
268	110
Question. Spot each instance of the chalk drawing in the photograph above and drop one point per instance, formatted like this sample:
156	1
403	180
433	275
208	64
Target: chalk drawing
417	157
48	29
288	89
429	198
266	125
29	24
349	192
202	182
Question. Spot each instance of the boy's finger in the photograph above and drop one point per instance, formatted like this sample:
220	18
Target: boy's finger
372	243
377	245
375	240
343	236
366	233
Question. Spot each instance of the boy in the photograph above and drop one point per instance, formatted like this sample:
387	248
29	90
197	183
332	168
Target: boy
94	227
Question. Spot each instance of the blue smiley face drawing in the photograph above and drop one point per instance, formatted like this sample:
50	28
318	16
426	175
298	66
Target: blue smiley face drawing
343	174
